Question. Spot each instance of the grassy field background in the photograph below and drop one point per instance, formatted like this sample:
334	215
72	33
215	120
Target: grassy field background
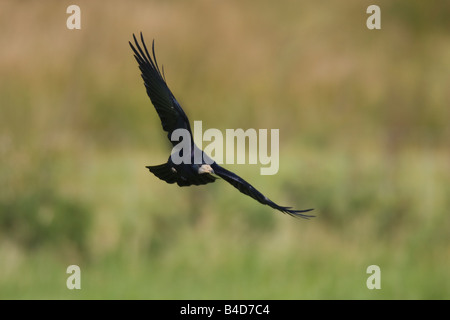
364	135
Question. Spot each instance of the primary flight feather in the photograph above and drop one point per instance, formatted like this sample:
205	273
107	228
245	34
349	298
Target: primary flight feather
172	118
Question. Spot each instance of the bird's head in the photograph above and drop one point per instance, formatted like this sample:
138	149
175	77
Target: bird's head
205	168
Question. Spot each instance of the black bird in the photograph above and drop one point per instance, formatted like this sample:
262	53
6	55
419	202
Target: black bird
173	117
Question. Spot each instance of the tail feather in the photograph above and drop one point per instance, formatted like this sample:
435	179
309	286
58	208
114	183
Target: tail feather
163	172
167	173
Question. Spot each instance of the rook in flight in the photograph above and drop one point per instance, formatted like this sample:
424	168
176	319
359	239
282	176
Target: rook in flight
172	118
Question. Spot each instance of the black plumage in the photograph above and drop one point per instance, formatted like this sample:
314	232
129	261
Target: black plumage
173	117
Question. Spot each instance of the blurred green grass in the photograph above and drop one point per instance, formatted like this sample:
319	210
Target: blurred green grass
363	139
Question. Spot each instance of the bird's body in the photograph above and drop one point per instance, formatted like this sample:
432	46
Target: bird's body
173	117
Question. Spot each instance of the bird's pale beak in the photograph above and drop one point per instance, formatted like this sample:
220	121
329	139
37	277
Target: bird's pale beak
205	168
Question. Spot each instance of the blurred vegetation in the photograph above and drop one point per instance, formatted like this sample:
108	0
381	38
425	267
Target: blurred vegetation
363	118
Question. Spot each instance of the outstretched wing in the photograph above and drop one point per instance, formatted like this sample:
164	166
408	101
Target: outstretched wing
246	188
169	110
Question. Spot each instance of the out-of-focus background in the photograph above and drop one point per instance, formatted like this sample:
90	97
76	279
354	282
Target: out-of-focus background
364	139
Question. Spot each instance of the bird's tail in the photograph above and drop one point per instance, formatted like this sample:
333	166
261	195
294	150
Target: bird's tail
169	174
163	172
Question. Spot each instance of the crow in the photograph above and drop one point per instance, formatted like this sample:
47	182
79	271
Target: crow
173	118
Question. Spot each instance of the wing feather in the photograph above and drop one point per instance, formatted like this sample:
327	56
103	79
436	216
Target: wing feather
169	110
247	189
